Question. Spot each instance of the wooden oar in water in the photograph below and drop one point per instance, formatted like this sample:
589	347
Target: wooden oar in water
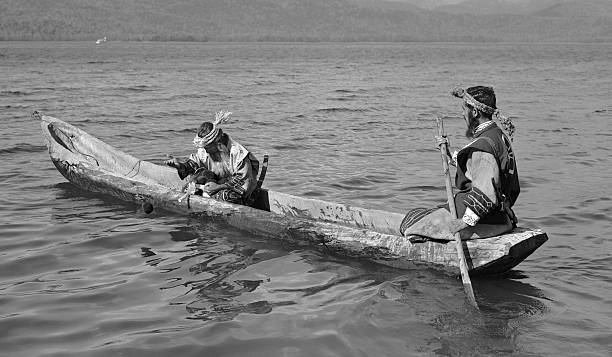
465	277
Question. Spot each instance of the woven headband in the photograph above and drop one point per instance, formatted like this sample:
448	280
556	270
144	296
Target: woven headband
221	117
468	99
506	122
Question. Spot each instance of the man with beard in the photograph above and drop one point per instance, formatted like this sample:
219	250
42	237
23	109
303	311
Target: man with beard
224	169
487	177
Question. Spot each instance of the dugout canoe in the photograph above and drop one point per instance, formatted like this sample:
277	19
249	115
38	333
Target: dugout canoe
333	228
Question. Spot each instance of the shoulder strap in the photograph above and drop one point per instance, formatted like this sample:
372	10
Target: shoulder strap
492	144
478	144
264	168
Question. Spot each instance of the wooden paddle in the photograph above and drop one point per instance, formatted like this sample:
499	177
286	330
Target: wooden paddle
465	277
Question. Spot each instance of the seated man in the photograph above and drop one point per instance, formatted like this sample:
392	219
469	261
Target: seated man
487	178
226	169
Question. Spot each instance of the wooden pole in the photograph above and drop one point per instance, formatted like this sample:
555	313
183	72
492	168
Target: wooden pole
465	277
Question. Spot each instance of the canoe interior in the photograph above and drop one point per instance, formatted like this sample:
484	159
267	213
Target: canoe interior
288	205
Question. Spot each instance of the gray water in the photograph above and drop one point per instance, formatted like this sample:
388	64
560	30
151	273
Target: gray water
84	274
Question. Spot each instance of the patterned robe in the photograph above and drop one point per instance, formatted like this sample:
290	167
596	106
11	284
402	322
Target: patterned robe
241	171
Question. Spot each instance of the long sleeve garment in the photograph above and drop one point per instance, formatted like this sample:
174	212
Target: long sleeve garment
481	198
243	178
482	185
240	173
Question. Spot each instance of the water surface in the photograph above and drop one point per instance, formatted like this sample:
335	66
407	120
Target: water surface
85	274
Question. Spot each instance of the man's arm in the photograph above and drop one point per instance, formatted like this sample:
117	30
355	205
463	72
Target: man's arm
482	170
183	168
241	182
244	178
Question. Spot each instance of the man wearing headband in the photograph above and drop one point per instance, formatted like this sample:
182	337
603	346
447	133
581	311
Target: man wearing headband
487	177
226	169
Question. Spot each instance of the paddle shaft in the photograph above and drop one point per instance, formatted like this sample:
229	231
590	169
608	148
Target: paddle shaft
465	277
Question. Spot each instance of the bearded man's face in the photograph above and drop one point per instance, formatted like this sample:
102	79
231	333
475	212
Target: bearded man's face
470	120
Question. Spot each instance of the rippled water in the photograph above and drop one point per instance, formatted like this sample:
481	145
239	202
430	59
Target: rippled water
85	274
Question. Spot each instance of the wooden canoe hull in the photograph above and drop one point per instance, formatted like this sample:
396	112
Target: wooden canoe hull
334	228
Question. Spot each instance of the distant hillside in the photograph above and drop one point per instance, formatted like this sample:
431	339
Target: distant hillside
285	20
429	4
490	7
592	8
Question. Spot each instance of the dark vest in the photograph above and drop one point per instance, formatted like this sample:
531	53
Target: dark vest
492	140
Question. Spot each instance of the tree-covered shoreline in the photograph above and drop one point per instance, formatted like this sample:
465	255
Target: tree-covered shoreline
285	21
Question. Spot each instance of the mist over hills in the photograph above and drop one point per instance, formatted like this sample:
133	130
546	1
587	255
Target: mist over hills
592	8
307	20
429	4
554	8
496	7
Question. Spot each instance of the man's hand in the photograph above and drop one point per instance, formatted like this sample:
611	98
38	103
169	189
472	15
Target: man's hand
456	225
173	162
452	158
212	187
442	140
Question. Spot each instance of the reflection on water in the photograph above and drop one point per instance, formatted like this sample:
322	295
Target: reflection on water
75	203
226	273
508	297
219	274
461	330
227	277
